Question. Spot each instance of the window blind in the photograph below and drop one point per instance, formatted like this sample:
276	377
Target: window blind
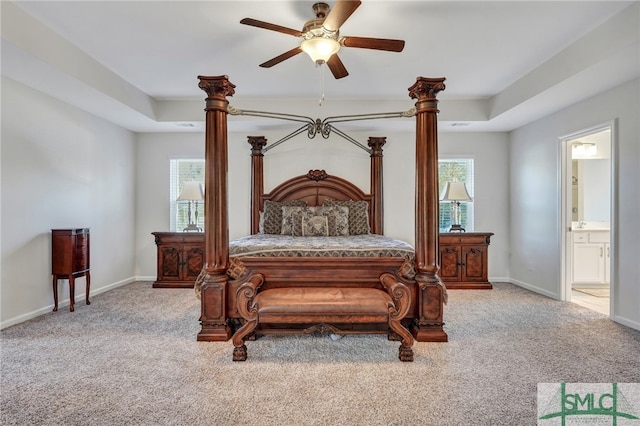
456	170
181	171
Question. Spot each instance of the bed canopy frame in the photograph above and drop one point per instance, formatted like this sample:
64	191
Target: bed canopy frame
319	127
218	313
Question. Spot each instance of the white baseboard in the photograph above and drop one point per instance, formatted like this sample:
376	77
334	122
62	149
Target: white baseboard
534	289
80	297
625	321
63	303
616	318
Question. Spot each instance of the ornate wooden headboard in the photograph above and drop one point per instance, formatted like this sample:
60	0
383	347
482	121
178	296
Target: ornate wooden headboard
317	186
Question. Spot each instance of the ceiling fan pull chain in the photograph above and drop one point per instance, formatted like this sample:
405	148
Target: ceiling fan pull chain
321	84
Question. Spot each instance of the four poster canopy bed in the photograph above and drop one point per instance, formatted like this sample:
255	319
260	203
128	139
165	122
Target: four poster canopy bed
317	260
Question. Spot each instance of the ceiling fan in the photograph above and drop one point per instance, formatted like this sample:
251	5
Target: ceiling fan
321	37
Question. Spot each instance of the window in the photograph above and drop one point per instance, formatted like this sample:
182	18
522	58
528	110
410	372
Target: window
456	170
182	171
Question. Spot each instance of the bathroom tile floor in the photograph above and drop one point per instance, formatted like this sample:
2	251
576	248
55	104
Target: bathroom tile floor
598	304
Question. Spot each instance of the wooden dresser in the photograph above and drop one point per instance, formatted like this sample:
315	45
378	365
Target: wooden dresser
464	260
180	258
70	260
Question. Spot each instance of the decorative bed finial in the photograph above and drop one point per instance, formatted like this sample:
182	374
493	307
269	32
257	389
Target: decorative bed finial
317	175
426	89
216	86
376	144
257	144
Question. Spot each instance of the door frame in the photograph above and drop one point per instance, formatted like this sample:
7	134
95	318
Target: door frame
565	209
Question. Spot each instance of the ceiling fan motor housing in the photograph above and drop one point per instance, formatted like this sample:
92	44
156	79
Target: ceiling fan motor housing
321	9
314	28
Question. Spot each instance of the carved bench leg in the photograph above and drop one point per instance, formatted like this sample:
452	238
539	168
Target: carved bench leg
405	354
240	353
240	350
397	311
245	299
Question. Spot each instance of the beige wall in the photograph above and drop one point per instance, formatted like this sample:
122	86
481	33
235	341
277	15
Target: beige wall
535	197
61	168
119	188
336	156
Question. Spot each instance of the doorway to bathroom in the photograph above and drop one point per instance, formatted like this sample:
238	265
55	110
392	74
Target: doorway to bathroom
588	188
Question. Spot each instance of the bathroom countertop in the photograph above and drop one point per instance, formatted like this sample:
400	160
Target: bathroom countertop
590	226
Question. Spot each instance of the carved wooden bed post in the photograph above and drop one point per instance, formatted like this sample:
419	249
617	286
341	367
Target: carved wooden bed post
375	185
428	326
257	179
213	287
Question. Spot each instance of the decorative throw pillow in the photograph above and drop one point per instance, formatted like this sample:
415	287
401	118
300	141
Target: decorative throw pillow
358	215
290	214
273	214
296	222
337	219
261	223
315	226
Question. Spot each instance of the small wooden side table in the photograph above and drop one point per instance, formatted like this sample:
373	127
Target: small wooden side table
180	258
464	260
70	260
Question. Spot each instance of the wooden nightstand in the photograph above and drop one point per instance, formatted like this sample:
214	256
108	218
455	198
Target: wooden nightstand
180	258
464	260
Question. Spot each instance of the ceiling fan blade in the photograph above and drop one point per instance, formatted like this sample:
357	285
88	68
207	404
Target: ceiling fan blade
337	67
280	58
272	27
340	13
373	43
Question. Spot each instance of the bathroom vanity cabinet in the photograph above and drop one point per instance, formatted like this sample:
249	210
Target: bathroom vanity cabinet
591	253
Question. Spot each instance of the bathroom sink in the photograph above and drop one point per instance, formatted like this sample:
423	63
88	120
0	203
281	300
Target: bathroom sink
589	226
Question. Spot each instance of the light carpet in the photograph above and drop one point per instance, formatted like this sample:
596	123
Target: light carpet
131	357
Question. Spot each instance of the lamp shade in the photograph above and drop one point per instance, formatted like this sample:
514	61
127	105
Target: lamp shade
455	191
191	191
320	49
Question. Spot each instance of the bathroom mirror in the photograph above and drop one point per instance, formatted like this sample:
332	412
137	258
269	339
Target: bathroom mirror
591	178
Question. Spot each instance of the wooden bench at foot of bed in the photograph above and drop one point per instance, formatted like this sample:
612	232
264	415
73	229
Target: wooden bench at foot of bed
323	309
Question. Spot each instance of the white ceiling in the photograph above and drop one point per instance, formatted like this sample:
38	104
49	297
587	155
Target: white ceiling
136	63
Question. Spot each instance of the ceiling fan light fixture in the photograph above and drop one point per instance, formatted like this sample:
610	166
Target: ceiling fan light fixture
320	49
321	38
